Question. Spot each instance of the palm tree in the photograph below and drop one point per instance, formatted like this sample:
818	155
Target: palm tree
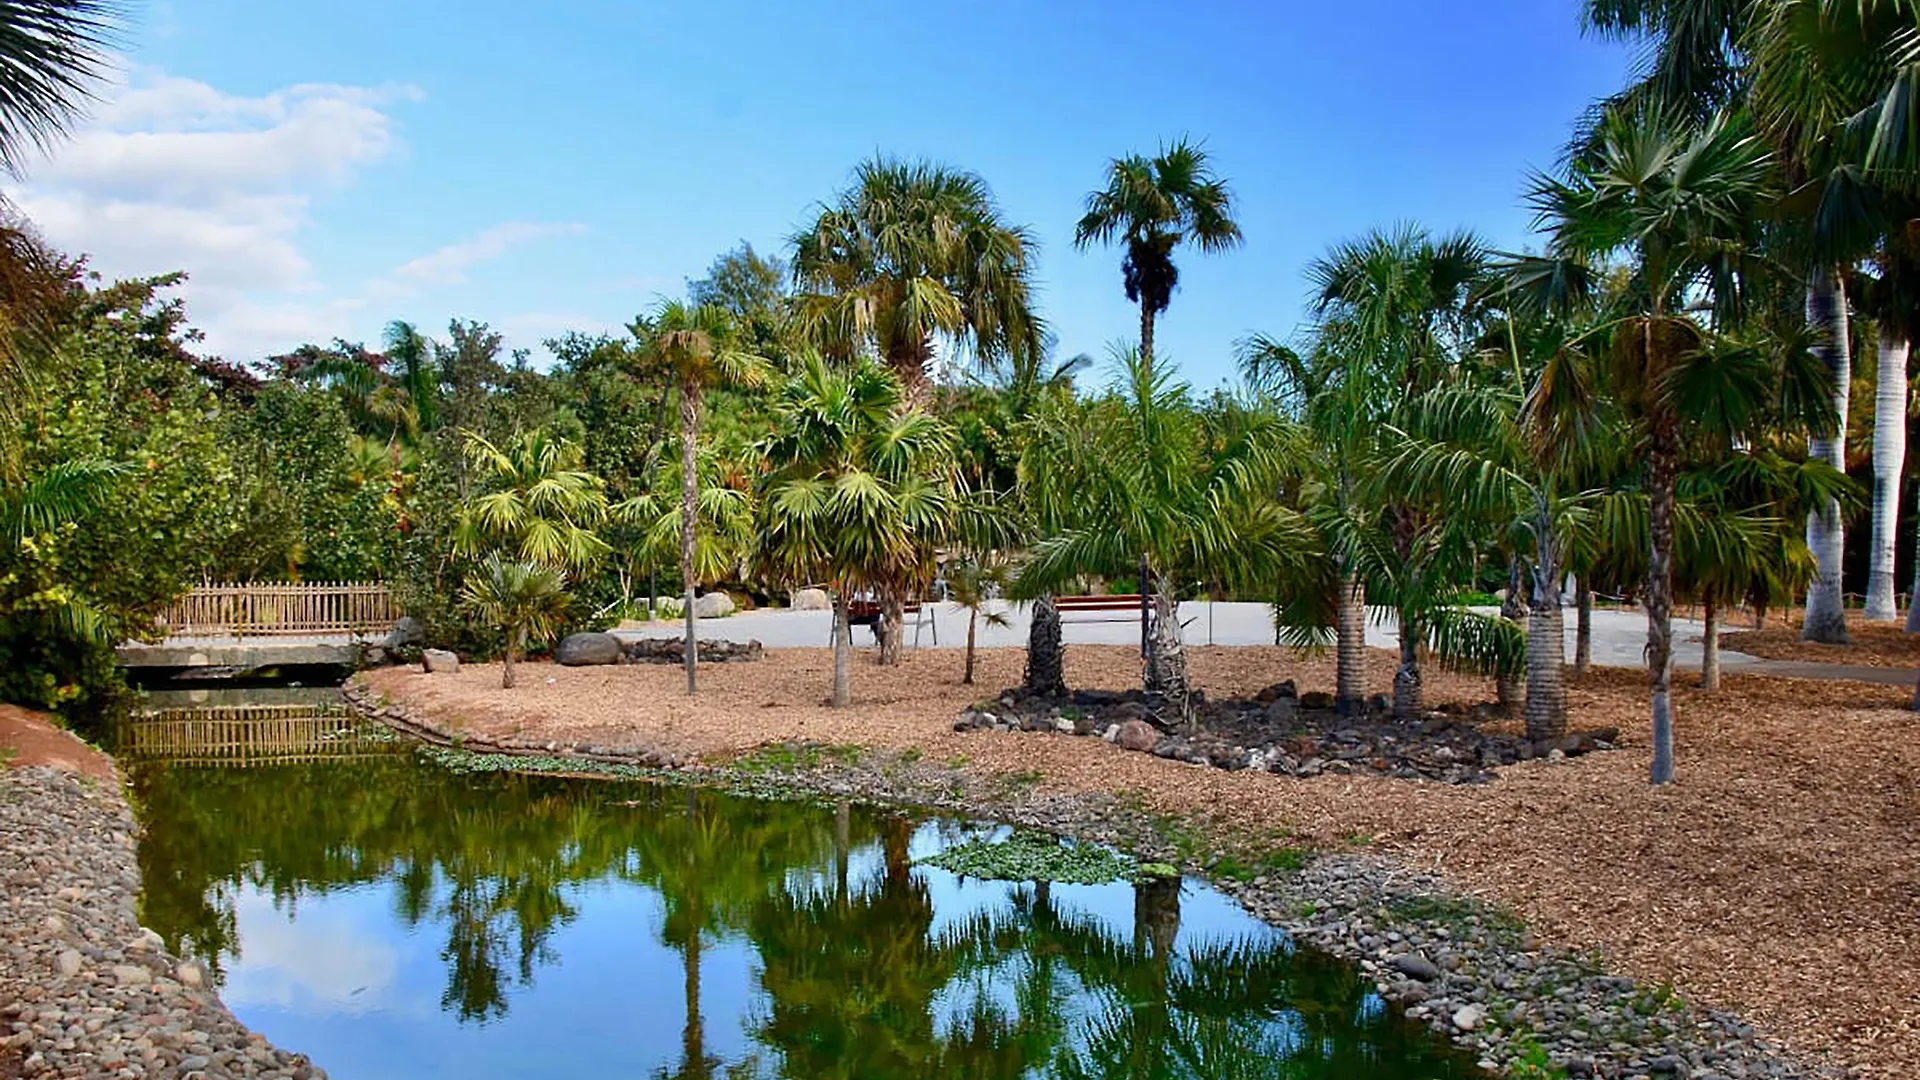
54	52
542	505
699	346
974	581
1141	479
1153	205
521	599
1673	201
911	256
860	489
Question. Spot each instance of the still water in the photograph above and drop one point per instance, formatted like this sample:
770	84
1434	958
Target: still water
393	919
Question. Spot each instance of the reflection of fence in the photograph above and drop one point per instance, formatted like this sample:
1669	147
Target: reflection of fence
252	735
307	607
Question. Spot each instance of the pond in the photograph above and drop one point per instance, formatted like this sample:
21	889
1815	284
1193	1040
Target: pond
391	918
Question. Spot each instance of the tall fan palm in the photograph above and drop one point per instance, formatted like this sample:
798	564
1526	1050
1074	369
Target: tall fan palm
912	256
699	347
1679	205
52	54
1152	206
860	490
522	599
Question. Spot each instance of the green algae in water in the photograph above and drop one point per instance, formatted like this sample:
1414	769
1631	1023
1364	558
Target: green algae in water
1029	855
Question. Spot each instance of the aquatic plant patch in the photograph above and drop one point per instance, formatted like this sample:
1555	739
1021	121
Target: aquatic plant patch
1030	855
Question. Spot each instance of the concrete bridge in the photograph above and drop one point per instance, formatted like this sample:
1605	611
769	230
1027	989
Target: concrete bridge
230	629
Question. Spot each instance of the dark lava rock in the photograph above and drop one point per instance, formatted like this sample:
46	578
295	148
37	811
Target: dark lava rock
1316	699
674	651
1667	1065
1415	966
1283	689
582	650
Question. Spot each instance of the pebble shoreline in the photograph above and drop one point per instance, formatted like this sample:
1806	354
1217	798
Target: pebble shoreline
1526	1009
85	991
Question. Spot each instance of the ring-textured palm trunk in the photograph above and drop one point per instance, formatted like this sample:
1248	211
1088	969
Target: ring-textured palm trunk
1826	620
1407	697
1046	653
1662	458
1710	647
1350	646
1889	462
689	515
1583	629
1546	709
893	626
1166	667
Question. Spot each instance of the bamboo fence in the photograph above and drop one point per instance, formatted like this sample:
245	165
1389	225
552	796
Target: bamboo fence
273	608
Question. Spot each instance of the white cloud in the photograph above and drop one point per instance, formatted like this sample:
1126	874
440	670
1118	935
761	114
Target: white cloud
449	265
175	174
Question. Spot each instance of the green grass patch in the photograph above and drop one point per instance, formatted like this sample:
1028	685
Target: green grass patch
1459	915
1277	861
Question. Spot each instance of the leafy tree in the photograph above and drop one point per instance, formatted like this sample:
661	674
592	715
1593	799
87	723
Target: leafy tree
911	257
1152	206
699	347
521	599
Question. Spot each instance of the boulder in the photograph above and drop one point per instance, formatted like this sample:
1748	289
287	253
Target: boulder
1137	735
1282	712
713	605
810	600
407	631
1415	966
438	661
582	650
1468	1017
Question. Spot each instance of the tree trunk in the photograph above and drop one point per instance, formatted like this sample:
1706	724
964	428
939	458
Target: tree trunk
1406	677
1156	916
1889	461
1146	334
1166	668
1583	629
1826	620
689	514
516	637
893	626
1710	647
1046	653
1350	647
973	618
842	652
1546	709
1507	689
1662	455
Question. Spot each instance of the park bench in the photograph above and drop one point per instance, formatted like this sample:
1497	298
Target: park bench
913	613
1126	603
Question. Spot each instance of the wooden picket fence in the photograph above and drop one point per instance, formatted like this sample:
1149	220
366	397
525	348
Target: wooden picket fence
269	608
251	734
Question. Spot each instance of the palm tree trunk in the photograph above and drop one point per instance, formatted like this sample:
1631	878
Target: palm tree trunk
516	636
1046	653
1166	668
1662	460
842	652
893	626
1507	688
1406	677
693	1041
689	514
1826	620
1889	461
1583	629
1546	709
1710	647
1146	334
973	618
1350	646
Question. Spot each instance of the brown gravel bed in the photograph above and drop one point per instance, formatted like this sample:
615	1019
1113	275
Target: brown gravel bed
1874	644
1778	877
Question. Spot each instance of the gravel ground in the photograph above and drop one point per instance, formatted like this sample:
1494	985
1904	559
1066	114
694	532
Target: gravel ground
84	990
1776	879
1874	644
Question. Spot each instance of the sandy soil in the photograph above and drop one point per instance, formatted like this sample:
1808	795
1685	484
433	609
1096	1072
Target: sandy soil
30	738
1778	877
1875	644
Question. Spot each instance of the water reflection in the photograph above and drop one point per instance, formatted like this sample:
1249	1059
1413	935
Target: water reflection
393	919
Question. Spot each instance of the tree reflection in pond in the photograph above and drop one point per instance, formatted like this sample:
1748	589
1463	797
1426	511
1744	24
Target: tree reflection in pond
805	943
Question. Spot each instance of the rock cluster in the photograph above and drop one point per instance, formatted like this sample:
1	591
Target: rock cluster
84	990
674	651
1283	731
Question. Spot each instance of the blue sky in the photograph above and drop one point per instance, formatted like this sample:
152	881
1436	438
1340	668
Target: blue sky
322	168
